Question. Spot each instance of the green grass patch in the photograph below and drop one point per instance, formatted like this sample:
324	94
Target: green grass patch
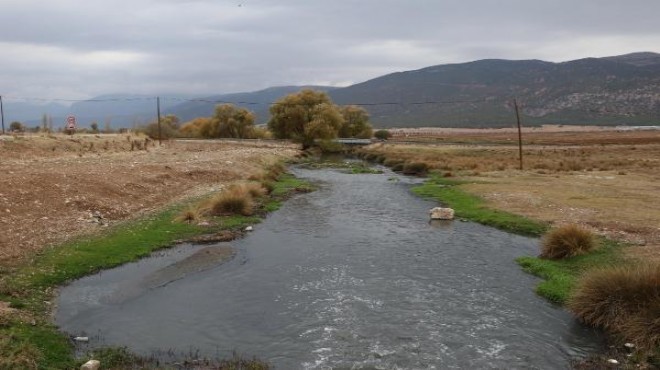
32	286
287	183
560	276
473	208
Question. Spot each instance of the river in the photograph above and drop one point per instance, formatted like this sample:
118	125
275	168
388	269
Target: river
351	276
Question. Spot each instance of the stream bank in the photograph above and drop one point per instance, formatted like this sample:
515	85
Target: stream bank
352	275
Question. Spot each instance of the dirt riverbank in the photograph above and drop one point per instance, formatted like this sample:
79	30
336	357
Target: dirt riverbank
55	187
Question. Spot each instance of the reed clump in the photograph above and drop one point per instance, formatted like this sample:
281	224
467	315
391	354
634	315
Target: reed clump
567	241
624	300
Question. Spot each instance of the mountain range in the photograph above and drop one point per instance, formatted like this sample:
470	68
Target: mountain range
621	90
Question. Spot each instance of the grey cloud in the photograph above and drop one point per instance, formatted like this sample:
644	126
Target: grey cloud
85	48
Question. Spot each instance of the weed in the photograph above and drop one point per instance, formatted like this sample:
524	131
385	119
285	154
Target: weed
189	215
567	241
416	168
231	202
624	300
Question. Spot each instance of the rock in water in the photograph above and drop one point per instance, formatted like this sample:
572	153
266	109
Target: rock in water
439	213
91	365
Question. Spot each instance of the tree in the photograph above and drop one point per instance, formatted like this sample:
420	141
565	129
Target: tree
169	126
16	126
304	117
382	134
230	121
356	122
95	127
194	127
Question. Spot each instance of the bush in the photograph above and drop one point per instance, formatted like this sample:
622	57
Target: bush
235	200
189	215
392	162
329	146
624	300
382	134
416	168
397	167
567	241
256	190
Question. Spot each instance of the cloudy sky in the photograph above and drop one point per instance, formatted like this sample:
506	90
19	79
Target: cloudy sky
76	49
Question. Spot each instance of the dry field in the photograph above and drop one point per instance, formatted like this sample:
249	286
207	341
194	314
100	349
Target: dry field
56	187
606	180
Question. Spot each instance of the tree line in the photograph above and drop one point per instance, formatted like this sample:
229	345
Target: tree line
304	117
307	117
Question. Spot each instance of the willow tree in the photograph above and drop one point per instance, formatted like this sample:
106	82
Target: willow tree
229	121
356	122
304	117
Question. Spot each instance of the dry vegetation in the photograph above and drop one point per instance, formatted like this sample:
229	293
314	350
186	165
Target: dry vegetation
601	181
55	187
610	189
567	241
624	299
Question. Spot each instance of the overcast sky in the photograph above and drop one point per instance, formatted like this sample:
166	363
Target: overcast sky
73	49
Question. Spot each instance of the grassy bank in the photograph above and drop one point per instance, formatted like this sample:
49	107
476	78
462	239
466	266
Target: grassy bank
561	276
28	339
471	207
626	309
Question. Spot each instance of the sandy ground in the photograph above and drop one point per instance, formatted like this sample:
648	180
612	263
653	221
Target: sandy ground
56	187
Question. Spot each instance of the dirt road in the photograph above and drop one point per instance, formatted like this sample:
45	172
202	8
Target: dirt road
54	187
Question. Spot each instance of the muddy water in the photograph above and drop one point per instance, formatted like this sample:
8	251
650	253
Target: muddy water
352	276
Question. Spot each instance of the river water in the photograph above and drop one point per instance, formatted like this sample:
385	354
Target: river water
352	276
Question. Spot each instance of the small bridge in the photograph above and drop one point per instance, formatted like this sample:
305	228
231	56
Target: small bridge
352	141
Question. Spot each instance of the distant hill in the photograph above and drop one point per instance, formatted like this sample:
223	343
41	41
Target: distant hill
592	91
256	101
616	90
122	110
30	113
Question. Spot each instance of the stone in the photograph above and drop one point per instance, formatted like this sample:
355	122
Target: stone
249	228
440	213
613	361
629	345
91	365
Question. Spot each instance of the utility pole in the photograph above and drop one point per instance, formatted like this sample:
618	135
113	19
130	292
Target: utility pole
2	114
520	151
159	130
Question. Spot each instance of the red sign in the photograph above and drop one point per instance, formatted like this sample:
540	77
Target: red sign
71	122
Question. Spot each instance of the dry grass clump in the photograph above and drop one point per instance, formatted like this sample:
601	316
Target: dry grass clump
567	241
416	168
234	200
551	159
624	300
189	215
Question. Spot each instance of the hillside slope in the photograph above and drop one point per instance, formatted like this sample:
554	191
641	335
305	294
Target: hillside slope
614	90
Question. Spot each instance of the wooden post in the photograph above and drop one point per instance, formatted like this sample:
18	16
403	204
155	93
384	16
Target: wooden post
520	151
159	130
2	114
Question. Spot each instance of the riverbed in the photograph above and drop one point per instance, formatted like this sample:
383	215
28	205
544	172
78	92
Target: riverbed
351	276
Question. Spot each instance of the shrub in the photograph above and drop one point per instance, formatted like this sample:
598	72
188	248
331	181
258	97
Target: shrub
382	134
416	168
392	162
235	200
256	190
189	215
624	300
567	241
397	167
